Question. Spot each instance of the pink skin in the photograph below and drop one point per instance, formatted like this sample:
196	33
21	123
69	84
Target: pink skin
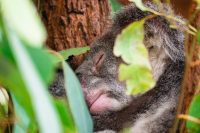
97	100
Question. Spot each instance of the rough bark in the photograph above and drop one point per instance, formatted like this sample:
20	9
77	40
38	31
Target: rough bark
192	71
73	23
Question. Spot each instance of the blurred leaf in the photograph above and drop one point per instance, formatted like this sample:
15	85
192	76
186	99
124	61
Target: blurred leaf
198	1
3	109
4	98
65	116
44	62
198	37
45	112
129	45
22	120
115	5
138	78
73	51
76	100
194	110
22	17
139	4
11	79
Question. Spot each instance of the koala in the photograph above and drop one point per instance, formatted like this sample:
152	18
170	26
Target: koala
112	109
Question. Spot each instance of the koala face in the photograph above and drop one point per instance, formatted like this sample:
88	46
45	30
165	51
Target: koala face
98	75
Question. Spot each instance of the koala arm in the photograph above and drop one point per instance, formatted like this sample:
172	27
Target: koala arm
157	120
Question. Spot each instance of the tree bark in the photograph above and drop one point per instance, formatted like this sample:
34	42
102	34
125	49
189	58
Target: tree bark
73	23
192	71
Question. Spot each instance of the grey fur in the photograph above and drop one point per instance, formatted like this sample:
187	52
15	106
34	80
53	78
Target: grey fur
153	111
57	87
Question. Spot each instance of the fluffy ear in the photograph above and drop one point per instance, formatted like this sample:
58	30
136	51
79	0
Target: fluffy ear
98	61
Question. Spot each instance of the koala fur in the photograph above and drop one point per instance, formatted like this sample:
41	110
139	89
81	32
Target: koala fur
111	108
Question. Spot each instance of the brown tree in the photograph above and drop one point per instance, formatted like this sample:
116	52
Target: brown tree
73	23
192	70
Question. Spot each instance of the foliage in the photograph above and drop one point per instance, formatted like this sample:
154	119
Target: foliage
194	127
27	69
77	104
115	5
129	45
73	51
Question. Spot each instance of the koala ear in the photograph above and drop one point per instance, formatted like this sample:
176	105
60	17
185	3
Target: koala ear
98	61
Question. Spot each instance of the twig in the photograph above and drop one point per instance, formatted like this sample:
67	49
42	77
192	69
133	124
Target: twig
190	118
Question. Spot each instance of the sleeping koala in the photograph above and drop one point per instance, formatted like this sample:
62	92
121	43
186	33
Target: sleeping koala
111	108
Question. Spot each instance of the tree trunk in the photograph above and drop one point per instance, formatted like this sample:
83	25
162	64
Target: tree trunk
192	72
73	23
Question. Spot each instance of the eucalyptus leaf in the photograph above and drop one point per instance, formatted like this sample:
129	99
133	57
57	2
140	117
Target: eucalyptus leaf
22	119
65	116
116	6
44	62
22	17
138	78
11	79
73	51
45	112
76	100
129	44
198	37
194	112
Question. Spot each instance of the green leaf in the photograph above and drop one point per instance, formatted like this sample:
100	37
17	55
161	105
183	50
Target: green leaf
129	44
138	78
22	119
11	79
115	5
44	62
44	110
22	17
76	100
194	111
65	115
139	4
198	37
73	51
